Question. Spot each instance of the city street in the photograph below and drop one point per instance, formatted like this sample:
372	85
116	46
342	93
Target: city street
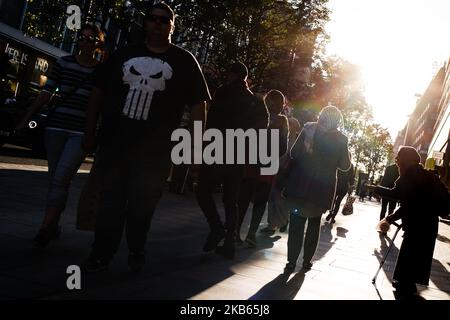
348	256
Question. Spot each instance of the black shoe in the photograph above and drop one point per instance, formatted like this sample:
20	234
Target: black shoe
289	268
93	265
136	261
404	289
267	230
307	265
251	240
238	241
284	228
226	251
213	240
45	235
328	217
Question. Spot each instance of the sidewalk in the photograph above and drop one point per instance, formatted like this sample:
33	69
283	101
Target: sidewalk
345	262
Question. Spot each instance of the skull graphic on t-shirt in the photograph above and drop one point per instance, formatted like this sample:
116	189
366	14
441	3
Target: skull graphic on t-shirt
144	75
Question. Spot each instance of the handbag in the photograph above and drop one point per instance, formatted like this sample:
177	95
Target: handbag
348	206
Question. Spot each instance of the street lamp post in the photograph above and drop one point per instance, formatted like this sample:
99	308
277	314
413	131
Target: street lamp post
22	17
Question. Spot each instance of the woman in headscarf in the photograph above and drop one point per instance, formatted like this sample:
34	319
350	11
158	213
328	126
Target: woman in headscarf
423	197
319	151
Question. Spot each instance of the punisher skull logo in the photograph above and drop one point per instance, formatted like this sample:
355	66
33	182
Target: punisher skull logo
144	75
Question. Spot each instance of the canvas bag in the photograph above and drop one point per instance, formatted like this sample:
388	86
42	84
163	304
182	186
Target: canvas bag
348	206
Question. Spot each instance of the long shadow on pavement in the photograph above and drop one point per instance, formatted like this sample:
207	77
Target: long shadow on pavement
281	288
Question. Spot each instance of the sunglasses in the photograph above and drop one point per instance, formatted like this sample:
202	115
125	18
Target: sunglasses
83	37
155	18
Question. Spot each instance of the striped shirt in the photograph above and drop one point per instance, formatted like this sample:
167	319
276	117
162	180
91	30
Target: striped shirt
69	110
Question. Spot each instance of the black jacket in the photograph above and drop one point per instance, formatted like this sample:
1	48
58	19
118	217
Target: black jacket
390	175
312	177
235	106
422	199
279	122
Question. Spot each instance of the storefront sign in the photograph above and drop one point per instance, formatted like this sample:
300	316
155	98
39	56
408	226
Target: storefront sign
16	55
21	57
41	65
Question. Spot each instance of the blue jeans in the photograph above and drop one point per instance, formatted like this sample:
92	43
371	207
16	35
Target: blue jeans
65	156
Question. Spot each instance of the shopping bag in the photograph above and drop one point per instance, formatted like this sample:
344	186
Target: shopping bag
88	202
348	206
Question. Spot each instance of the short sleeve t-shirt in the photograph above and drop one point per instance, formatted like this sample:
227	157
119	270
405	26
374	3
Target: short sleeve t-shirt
146	92
74	83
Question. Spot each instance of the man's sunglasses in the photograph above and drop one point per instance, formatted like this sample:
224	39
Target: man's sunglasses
83	37
155	18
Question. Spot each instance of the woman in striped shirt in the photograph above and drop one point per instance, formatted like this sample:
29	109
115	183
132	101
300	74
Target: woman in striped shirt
73	77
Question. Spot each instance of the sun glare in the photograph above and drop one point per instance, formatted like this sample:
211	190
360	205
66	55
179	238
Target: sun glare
398	46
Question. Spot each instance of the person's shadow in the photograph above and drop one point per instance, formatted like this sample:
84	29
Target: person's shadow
281	288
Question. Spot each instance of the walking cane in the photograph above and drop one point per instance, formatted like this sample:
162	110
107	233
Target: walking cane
387	253
184	181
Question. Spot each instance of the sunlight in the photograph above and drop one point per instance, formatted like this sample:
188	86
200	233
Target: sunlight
397	44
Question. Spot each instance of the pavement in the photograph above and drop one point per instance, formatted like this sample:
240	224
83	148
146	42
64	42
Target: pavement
345	262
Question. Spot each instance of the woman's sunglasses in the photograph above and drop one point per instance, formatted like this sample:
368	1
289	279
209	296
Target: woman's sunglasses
83	37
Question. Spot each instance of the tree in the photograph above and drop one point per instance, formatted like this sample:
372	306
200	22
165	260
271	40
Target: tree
276	39
339	83
44	20
378	149
273	38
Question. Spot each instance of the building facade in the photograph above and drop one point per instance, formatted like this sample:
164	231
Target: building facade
439	149
421	124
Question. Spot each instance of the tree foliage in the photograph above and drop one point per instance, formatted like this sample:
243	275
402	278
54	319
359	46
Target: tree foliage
281	41
338	82
274	38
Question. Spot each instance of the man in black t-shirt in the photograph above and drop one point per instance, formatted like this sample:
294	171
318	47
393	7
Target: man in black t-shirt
143	90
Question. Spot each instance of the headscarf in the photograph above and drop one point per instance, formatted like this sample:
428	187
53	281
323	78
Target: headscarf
409	155
409	158
330	118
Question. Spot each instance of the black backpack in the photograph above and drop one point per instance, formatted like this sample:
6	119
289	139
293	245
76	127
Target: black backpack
279	122
441	196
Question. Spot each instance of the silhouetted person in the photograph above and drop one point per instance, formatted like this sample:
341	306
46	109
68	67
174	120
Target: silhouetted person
256	186
277	215
319	151
345	180
73	78
143	90
390	176
363	190
422	199
234	106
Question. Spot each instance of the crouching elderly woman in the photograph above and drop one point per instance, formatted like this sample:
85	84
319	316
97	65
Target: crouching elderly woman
423	197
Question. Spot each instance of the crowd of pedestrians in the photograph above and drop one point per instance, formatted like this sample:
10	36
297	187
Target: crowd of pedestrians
125	110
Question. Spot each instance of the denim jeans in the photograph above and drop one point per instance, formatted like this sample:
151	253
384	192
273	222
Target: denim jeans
131	180
65	156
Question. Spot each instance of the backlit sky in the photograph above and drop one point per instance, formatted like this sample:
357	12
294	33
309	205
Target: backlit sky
395	42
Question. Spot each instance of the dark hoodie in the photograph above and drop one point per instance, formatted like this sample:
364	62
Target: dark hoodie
235	106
